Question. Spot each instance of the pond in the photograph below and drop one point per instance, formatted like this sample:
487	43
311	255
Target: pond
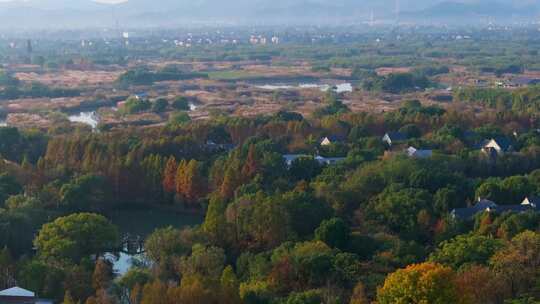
339	88
139	222
88	118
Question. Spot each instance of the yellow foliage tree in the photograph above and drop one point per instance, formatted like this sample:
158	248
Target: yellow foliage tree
427	283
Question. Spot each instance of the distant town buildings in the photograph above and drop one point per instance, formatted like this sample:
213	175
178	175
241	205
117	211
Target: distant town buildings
262	40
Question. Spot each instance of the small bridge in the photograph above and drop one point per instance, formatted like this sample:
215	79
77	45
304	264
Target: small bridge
132	244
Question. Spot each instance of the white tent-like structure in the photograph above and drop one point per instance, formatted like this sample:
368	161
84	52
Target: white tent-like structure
17	292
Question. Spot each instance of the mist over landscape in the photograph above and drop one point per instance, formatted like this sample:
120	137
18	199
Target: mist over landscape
146	13
270	152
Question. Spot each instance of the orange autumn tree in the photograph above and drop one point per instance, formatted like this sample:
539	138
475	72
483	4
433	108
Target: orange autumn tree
426	283
191	185
169	175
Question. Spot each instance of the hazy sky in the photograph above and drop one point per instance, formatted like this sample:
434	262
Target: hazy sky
110	1
99	1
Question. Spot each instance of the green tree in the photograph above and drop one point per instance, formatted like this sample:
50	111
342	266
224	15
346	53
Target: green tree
7	268
445	199
304	168
76	236
466	249
229	287
165	243
305	210
306	297
87	192
42	278
8	186
179	118
334	232
181	103
160	105
215	223
164	246
204	261
490	190
135	105
400	209
516	188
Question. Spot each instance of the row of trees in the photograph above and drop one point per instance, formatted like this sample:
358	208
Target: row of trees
144	76
523	100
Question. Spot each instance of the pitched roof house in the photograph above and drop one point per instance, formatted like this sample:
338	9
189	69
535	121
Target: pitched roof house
497	146
391	138
489	206
533	201
330	140
466	213
416	153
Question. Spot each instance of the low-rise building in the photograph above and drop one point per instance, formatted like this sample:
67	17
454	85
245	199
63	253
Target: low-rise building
483	205
331	140
290	158
17	295
418	153
392	138
497	146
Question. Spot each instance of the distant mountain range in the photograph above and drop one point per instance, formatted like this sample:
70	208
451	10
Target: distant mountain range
496	9
144	13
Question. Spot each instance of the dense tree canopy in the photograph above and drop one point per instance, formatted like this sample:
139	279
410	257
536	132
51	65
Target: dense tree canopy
75	237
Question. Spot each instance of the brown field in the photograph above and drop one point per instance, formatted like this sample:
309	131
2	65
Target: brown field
219	96
71	78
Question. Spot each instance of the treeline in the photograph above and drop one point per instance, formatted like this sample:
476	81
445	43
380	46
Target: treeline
36	90
396	83
144	76
519	100
135	105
